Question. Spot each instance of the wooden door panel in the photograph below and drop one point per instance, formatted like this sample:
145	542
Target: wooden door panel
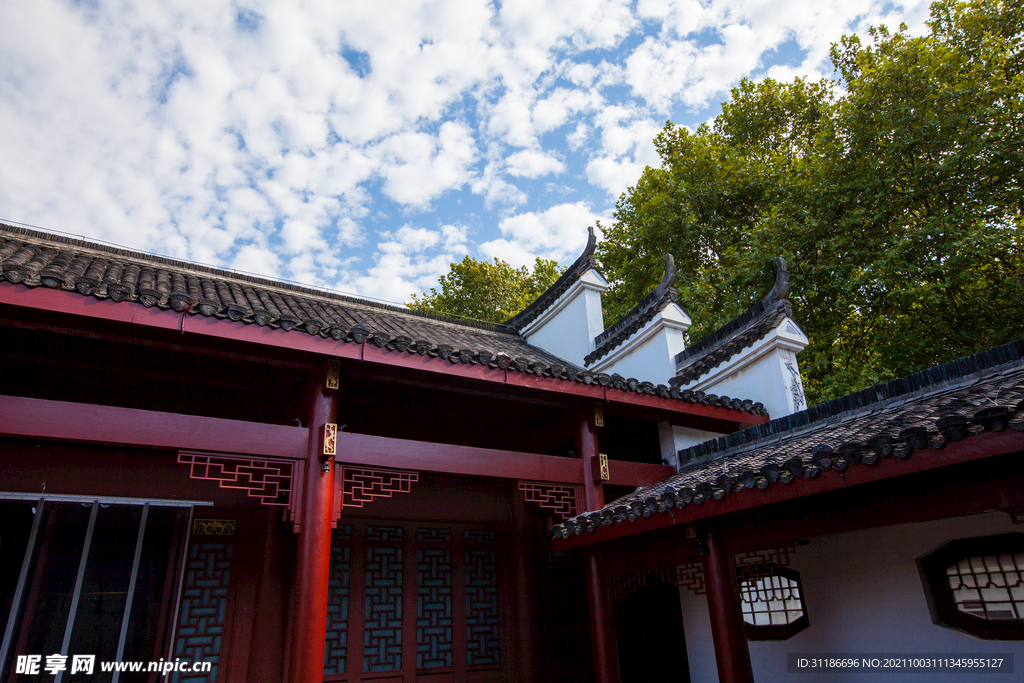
406	600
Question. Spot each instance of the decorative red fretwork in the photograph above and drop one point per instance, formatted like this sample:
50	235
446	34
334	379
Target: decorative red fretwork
559	499
683	576
361	485
758	563
621	585
691	576
263	478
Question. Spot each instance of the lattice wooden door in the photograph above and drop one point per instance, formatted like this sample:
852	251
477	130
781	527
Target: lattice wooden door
413	602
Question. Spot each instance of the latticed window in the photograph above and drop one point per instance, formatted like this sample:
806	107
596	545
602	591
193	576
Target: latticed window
773	604
989	587
977	585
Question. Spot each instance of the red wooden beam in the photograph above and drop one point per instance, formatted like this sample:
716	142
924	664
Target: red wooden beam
422	456
38	418
985	445
624	473
57	301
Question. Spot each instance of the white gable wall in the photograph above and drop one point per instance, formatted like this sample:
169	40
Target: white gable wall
567	327
649	354
767	372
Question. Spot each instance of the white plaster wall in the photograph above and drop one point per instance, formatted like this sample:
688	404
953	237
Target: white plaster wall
649	355
767	372
863	594
568	327
684	437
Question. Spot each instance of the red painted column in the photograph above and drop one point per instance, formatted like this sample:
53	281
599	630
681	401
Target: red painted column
306	663
606	668
731	650
587	449
524	545
606	665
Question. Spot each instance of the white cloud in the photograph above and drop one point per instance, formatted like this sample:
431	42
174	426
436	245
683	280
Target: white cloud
246	138
627	148
533	163
408	262
558	233
418	167
704	48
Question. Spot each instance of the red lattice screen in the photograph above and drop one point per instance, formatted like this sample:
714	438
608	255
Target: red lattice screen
559	499
263	478
361	485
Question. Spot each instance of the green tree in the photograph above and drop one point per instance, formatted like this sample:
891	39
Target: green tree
894	195
486	291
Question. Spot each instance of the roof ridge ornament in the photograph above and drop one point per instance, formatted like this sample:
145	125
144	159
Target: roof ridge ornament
585	262
737	334
780	289
668	280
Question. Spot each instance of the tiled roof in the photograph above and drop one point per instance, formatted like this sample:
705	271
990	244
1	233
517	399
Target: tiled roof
902	419
640	315
37	259
737	334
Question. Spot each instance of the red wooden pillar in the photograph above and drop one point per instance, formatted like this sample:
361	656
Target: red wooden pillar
306	663
606	669
586	447
731	652
524	544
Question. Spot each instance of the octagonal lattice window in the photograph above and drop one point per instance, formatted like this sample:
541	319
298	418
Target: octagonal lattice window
773	605
976	585
989	587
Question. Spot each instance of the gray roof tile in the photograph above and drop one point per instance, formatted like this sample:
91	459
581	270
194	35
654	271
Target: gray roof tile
36	259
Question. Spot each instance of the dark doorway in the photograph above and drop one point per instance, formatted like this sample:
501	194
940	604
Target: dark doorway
649	626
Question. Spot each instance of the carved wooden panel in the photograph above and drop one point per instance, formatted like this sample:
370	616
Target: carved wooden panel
482	644
263	478
361	485
622	584
338	592
213	527
561	500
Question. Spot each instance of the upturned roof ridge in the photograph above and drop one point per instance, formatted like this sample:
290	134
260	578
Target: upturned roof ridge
738	334
585	262
631	323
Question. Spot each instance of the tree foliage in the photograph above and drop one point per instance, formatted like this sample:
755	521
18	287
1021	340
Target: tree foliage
895	196
486	291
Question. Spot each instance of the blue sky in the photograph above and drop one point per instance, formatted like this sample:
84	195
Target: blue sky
363	147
